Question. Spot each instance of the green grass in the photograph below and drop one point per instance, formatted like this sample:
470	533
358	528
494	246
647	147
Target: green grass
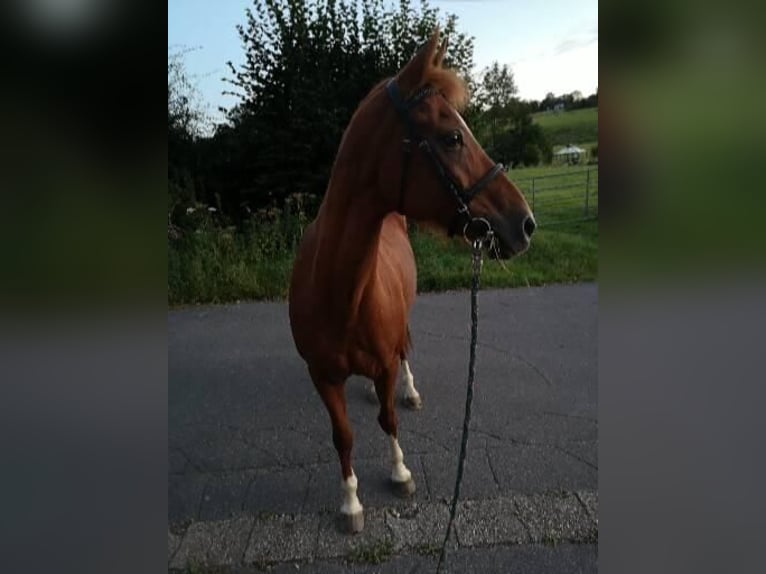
555	170
569	127
568	254
557	193
219	266
373	553
213	265
195	568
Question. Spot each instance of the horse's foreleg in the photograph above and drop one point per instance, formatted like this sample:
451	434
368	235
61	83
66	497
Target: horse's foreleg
401	477
411	395
334	398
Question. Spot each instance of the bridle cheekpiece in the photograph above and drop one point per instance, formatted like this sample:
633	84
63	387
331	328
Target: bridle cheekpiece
475	228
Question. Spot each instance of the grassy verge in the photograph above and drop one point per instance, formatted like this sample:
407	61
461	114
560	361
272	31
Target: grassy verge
557	255
216	266
219	267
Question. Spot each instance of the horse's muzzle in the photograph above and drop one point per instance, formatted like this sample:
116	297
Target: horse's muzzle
512	235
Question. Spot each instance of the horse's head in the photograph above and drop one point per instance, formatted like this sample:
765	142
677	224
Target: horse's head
434	168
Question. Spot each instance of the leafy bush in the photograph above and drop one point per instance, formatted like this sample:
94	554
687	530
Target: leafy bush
211	262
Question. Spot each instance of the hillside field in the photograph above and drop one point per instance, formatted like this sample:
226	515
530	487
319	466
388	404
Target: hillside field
573	127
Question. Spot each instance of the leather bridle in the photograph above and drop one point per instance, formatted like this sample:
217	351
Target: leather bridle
462	196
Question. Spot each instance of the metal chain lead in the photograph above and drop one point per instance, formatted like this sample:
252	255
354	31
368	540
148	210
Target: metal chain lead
477	265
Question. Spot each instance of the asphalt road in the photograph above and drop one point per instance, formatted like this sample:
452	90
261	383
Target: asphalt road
249	439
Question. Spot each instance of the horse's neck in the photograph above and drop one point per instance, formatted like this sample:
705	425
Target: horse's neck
347	252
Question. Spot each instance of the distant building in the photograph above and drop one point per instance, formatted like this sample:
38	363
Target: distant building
571	154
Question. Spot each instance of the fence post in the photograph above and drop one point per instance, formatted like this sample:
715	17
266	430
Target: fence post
533	195
587	191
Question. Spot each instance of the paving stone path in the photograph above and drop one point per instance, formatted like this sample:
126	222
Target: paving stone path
253	477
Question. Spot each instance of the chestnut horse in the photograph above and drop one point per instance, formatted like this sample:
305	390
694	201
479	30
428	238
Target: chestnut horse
406	153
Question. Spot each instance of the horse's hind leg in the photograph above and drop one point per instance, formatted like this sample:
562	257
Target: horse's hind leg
334	398
401	477
411	395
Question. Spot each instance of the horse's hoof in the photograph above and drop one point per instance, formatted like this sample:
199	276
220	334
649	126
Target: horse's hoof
403	489
415	402
352	523
372	396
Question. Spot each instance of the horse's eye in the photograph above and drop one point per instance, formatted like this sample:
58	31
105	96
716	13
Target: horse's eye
454	139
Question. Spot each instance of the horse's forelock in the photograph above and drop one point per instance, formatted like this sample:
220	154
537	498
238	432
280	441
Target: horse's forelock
449	84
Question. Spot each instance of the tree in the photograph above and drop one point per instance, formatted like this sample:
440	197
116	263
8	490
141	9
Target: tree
497	88
307	67
591	101
525	142
494	98
548	102
185	115
186	119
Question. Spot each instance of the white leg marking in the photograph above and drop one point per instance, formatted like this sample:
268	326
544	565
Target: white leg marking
351	504
410	392
399	472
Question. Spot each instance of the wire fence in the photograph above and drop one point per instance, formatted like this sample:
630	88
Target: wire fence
563	197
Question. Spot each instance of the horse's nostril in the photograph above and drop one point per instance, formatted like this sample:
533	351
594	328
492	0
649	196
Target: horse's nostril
529	225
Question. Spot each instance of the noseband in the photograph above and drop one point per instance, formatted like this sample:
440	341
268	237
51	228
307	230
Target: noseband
462	196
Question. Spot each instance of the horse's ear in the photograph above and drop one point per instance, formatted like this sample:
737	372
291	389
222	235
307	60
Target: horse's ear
411	76
439	58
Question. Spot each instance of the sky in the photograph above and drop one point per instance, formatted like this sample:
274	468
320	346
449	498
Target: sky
550	45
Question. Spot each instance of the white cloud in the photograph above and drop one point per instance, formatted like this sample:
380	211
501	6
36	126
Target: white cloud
574	43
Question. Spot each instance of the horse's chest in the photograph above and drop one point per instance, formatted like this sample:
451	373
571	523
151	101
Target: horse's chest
381	318
378	333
